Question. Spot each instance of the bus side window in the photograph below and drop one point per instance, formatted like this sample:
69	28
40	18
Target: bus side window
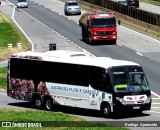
100	80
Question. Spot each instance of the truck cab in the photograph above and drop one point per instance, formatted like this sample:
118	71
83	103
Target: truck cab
98	27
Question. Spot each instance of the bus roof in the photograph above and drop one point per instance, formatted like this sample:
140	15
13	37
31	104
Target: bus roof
73	57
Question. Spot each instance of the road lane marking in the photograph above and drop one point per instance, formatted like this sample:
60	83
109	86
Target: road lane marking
141	34
139	53
155	94
66	38
154	112
3	94
19	25
119	44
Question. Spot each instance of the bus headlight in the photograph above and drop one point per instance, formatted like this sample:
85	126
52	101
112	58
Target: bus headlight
120	100
148	100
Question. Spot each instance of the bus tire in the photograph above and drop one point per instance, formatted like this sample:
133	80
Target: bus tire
37	102
48	104
106	110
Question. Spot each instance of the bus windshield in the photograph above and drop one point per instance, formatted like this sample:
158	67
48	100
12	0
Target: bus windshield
104	22
129	79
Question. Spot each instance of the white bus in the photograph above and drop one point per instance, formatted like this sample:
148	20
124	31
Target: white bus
78	79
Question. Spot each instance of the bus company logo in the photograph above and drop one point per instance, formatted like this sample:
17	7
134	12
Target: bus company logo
6	124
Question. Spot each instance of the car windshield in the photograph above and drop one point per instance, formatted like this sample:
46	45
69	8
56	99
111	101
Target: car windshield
129	80
73	4
104	22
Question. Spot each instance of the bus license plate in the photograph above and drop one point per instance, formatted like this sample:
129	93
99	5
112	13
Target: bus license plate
136	107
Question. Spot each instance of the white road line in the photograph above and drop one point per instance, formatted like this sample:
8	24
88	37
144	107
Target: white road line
19	26
119	44
139	53
3	94
154	111
69	40
46	26
155	94
140	34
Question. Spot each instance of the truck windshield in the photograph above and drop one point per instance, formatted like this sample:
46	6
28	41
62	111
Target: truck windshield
104	22
129	79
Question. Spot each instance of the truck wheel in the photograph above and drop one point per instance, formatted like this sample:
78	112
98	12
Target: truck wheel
48	104
83	37
106	110
37	102
89	39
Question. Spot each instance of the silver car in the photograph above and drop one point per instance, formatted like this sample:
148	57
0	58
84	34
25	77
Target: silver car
72	7
22	4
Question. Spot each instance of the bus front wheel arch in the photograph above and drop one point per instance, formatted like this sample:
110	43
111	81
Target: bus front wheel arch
106	109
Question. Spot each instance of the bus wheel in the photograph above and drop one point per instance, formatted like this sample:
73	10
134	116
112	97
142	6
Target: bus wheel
48	104
106	110
37	102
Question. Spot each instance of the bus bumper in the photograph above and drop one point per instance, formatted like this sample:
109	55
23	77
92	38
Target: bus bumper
133	107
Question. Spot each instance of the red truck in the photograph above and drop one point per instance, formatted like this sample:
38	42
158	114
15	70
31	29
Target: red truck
98	27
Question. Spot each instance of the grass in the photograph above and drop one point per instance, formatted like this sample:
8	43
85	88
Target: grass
49	120
154	2
3	77
9	33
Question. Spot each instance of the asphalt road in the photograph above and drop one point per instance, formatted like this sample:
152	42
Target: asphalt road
90	115
131	46
53	24
149	8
